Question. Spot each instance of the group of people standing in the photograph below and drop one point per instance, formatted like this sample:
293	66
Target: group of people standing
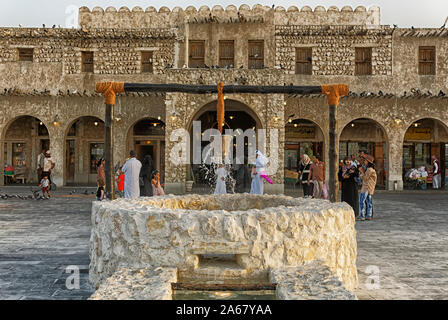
353	172
312	176
134	178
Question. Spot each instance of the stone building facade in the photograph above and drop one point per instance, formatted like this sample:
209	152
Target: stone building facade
396	109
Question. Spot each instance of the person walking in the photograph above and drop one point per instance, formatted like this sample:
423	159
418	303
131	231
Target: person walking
131	170
436	173
349	186
146	174
257	171
157	188
304	172
317	174
221	175
48	166
368	178
40	164
45	185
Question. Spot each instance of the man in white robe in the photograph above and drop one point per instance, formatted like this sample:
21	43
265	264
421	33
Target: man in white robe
131	170
221	175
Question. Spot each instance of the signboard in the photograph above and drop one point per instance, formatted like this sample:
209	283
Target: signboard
418	134
301	132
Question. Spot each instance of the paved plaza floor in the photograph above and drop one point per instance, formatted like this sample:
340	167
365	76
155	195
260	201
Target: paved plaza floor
405	247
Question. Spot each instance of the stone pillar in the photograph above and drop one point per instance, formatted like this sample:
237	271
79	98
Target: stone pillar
57	146
175	174
275	108
395	161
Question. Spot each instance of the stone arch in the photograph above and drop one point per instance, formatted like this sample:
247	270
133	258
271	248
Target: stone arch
25	165
303	135
422	138
79	135
155	141
231	105
363	138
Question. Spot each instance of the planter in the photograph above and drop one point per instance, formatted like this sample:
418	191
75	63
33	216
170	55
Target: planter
188	186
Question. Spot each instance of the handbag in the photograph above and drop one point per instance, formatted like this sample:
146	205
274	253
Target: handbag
324	191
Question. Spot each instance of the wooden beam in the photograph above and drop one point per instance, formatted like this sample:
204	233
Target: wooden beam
108	156
210	89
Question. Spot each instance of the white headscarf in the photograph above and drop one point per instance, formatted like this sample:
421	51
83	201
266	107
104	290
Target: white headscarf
262	160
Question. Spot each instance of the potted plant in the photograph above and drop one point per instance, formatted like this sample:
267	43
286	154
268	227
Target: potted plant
190	179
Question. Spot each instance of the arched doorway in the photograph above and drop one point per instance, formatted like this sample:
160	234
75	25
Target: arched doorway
368	136
238	117
423	139
147	137
25	138
84	146
302	136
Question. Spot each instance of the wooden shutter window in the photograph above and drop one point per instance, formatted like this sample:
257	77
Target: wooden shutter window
304	61
197	54
427	61
256	54
363	61
26	54
226	53
87	61
147	62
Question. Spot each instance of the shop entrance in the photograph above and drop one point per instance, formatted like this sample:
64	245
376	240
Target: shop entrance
368	136
423	139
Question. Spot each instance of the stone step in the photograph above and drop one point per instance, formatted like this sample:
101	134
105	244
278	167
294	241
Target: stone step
220	248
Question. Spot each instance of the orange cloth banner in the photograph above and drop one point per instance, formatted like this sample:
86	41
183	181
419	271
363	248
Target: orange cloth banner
220	106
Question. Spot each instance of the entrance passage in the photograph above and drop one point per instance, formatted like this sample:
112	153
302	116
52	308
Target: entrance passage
147	138
368	136
25	138
423	139
84	147
237	116
301	137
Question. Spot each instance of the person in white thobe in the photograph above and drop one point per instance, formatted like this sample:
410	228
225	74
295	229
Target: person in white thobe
131	170
257	186
221	175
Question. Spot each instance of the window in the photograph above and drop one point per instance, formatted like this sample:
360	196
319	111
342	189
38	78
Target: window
256	54
96	153
87	61
147	62
304	62
363	61
26	54
427	61
197	53
226	53
18	155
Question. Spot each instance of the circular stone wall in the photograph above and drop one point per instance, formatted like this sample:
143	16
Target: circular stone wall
263	232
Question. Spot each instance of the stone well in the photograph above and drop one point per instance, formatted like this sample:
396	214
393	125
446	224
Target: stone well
262	232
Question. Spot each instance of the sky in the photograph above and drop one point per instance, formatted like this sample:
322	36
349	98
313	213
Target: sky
34	13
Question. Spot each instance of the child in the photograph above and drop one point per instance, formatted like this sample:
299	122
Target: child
45	185
156	187
120	183
100	190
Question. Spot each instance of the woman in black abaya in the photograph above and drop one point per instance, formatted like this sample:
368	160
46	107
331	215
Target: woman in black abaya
146	175
347	176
